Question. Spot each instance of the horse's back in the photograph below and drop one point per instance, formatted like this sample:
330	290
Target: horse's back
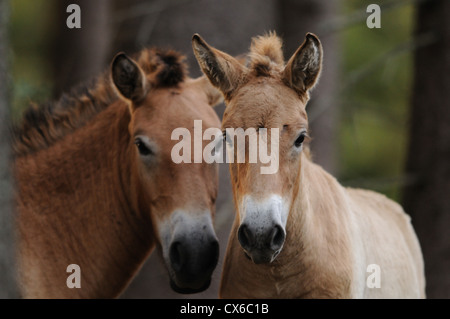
390	242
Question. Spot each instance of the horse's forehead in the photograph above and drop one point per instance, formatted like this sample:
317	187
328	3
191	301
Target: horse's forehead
265	103
173	108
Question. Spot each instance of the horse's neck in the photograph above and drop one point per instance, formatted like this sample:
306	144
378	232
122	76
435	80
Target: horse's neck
75	204
318	208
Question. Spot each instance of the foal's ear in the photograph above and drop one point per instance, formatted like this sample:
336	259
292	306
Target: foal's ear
222	70
128	78
303	69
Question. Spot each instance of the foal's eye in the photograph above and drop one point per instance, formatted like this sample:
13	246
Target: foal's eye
298	142
143	149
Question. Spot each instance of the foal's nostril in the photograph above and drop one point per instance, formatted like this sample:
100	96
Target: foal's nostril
245	237
277	238
177	256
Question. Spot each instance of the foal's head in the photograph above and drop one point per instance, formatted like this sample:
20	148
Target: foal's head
180	198
265	94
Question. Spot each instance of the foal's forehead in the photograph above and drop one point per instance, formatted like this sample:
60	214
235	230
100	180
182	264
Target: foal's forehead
265	102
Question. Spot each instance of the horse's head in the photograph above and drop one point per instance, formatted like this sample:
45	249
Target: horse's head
267	99
180	198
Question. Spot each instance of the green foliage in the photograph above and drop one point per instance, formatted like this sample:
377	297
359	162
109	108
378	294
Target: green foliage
30	36
373	135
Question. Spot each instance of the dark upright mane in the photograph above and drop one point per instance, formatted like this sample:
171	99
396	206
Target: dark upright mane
43	125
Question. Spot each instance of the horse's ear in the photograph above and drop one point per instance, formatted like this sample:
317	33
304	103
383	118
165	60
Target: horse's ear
303	69
213	94
128	78
222	70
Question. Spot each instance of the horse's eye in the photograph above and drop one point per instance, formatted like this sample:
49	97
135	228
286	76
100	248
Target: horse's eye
227	138
143	149
298	142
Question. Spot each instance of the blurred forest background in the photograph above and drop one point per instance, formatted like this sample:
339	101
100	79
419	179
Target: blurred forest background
380	116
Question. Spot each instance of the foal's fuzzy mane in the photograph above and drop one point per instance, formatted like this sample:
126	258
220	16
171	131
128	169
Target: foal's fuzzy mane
43	125
266	54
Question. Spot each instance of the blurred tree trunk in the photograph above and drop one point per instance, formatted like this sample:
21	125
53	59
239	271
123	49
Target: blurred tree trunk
296	18
80	54
130	27
8	288
428	161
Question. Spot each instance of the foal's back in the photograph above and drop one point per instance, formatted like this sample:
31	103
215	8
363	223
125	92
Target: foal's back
389	241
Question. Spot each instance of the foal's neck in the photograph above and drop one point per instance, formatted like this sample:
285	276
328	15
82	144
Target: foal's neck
87	215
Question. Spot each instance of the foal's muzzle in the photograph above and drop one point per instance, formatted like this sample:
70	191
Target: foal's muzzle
261	244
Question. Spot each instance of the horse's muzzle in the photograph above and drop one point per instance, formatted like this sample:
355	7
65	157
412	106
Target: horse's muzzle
261	244
193	262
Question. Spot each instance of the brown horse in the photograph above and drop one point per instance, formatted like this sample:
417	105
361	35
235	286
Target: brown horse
302	234
96	185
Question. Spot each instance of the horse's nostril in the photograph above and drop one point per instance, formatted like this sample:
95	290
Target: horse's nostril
245	237
277	238
177	256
